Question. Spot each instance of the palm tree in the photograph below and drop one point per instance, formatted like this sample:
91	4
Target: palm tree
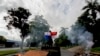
90	20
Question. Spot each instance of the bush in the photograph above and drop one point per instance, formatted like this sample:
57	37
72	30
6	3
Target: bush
62	41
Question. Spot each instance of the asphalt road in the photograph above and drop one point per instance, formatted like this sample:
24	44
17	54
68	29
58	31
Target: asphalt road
66	53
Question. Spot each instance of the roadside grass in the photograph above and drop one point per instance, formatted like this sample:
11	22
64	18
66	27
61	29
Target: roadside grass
7	52
3	53
96	49
33	48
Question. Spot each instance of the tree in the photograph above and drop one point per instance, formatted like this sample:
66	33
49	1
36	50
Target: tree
38	27
63	39
2	40
90	20
18	18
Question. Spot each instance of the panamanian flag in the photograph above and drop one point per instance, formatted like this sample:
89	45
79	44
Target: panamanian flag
49	35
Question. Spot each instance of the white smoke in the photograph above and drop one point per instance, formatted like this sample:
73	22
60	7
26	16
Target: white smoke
78	34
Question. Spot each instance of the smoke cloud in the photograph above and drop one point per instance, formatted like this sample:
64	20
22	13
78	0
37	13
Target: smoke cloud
79	35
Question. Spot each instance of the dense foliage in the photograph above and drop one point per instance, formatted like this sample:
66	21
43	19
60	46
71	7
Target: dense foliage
38	27
91	20
18	18
2	40
62	40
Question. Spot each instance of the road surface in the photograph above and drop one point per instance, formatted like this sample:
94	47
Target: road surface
66	53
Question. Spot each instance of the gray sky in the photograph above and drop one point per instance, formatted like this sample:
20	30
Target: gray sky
58	13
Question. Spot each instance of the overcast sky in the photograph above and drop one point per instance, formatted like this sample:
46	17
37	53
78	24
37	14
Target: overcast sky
58	13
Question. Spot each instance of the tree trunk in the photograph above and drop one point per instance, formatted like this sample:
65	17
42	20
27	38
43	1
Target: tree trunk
22	42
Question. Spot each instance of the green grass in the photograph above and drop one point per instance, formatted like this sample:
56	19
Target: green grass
97	49
7	52
3	53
